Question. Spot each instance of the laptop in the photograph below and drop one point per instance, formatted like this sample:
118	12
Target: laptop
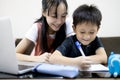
8	60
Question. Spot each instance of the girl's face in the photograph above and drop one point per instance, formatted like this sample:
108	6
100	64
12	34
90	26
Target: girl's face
86	32
56	22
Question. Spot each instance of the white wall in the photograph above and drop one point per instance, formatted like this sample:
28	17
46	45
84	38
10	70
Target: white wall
110	11
24	12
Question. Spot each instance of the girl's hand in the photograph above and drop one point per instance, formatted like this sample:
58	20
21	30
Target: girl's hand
42	58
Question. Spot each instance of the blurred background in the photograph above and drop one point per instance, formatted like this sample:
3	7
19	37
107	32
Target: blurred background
23	13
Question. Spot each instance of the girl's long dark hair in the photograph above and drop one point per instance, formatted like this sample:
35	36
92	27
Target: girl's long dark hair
60	35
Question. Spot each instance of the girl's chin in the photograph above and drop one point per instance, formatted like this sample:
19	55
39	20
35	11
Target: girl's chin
56	29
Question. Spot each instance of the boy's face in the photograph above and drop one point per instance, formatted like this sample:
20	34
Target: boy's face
86	32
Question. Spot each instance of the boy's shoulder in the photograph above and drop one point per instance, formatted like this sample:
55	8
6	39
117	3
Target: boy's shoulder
71	38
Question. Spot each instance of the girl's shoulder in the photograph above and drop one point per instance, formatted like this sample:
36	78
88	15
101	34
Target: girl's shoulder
37	24
32	33
69	29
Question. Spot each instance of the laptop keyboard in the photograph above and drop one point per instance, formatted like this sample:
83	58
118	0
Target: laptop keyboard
22	67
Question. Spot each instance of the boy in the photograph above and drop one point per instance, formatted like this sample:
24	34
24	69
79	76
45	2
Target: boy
86	23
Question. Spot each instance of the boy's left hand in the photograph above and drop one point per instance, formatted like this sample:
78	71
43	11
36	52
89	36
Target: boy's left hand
84	62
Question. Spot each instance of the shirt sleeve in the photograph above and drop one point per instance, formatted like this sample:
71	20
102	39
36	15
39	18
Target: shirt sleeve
32	33
98	43
95	45
64	48
69	29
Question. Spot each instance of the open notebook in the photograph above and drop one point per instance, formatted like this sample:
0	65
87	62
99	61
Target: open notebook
96	68
8	61
67	71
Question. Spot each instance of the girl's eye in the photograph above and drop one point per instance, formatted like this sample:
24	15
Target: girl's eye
53	16
64	16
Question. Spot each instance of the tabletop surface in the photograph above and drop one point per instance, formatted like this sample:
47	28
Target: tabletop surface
34	75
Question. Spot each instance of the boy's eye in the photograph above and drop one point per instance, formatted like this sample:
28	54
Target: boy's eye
82	32
91	32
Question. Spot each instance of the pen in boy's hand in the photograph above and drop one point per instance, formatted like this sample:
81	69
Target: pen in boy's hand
78	45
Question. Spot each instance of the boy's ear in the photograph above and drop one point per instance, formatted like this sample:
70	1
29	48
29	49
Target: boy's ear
73	27
98	29
44	14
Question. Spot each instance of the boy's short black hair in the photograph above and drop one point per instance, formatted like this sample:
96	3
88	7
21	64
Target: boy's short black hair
85	13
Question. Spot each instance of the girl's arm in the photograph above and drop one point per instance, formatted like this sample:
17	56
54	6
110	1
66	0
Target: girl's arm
22	46
42	58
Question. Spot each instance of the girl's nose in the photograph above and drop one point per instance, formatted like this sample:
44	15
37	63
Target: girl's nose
59	21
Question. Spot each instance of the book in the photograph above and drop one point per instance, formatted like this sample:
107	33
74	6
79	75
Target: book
56	69
96	68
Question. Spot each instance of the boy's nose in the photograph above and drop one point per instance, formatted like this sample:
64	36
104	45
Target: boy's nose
87	37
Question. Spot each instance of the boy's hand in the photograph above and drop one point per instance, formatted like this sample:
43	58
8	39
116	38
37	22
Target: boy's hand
83	62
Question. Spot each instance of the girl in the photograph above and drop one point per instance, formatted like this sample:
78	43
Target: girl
47	33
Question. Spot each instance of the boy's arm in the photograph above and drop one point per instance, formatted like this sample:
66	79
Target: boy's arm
80	61
58	58
99	57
